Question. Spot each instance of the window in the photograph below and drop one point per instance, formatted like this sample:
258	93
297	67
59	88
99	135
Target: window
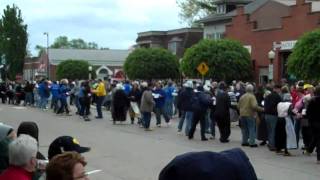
216	35
173	47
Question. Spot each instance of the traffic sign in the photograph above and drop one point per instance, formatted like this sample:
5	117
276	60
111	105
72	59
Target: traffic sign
203	68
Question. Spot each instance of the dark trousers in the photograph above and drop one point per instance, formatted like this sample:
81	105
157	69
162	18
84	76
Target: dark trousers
306	132
85	107
315	143
198	116
63	107
146	119
99	101
224	128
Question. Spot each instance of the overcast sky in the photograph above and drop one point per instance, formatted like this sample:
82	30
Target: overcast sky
109	23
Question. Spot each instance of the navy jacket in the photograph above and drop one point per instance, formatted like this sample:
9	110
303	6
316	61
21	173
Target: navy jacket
227	165
184	99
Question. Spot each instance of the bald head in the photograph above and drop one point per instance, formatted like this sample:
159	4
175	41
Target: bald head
249	88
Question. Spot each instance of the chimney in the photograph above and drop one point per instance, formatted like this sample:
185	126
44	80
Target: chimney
300	2
240	10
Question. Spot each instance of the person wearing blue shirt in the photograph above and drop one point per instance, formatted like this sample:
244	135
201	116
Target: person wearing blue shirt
127	88
169	90
55	96
159	98
44	94
63	97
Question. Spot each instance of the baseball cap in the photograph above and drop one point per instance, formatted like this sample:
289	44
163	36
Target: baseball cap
63	144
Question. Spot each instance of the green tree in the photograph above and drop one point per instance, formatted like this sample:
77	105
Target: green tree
61	42
151	63
40	49
227	60
13	40
73	69
193	10
304	62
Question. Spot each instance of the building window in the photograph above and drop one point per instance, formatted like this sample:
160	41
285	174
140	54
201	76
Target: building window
173	47
215	36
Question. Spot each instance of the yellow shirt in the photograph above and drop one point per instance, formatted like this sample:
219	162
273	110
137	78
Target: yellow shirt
101	90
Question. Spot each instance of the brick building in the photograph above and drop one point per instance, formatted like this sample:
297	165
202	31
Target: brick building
177	41
276	26
106	63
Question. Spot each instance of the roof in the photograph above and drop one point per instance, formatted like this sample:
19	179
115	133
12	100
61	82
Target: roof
94	57
174	31
233	1
248	9
253	6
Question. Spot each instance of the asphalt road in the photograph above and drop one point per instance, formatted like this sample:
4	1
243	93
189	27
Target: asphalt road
127	152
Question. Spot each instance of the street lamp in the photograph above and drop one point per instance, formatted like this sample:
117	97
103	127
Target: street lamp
90	69
48	63
271	56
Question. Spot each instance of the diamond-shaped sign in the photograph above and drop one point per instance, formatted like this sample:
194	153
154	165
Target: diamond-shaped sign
203	68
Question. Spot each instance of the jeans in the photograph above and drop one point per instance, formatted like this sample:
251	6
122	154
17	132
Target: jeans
85	106
146	119
99	104
63	106
180	125
189	120
271	121
297	127
77	103
43	102
248	130
54	104
28	98
160	111
169	107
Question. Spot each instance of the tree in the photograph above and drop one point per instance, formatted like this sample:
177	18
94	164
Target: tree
61	42
13	40
40	49
151	63
73	69
304	62
227	60
193	10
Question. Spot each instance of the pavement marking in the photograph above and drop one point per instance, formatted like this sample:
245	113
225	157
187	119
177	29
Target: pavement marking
19	108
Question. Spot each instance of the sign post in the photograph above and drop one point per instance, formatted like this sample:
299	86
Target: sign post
203	69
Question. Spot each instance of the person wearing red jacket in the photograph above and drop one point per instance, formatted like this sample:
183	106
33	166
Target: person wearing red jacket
22	159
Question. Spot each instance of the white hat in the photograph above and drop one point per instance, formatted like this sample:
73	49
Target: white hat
188	84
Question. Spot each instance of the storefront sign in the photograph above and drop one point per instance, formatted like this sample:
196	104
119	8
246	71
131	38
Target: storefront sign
284	45
287	45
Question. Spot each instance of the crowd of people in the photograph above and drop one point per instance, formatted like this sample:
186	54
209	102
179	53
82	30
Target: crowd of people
276	114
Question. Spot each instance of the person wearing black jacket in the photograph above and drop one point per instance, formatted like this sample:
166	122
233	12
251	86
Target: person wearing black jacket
28	94
135	97
222	113
85	99
271	114
313	115
185	105
200	104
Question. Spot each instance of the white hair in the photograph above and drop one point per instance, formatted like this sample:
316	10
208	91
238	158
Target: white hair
22	150
249	88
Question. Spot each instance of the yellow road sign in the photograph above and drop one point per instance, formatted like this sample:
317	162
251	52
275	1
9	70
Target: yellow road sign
203	68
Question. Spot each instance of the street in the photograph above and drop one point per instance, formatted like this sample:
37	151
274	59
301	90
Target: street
127	152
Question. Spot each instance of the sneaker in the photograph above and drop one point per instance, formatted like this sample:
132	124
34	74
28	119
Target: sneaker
245	144
287	154
168	124
204	139
158	125
263	143
148	129
212	138
254	146
97	117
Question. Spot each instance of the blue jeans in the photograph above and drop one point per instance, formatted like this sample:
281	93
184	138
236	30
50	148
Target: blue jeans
180	125
77	103
160	111
271	121
297	127
28	98
248	130
169	107
189	119
146	119
99	104
43	102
